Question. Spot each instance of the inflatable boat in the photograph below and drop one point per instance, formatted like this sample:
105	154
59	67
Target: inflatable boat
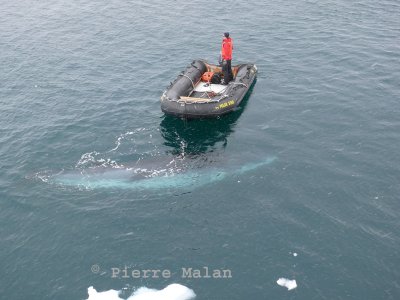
198	93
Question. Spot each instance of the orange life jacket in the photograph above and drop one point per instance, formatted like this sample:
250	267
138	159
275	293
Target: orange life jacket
207	76
226	49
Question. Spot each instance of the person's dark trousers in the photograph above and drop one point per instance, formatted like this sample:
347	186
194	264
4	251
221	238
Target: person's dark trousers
230	70
227	70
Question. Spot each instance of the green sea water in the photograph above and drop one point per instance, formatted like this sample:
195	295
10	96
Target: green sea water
300	182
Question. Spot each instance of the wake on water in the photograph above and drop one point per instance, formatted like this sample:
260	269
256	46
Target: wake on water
151	169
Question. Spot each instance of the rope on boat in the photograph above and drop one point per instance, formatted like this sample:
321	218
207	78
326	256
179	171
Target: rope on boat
206	100
239	83
184	75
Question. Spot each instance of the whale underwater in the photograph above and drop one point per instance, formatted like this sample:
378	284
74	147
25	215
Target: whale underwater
142	179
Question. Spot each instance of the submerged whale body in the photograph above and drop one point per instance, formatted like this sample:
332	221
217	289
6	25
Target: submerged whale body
132	179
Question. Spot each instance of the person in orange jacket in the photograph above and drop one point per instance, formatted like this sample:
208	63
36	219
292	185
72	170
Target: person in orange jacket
226	54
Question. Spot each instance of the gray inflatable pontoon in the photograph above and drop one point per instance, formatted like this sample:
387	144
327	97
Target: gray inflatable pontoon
193	95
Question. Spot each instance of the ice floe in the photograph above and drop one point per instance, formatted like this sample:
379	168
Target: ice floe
289	284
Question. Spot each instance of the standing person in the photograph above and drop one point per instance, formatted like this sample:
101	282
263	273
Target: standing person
226	53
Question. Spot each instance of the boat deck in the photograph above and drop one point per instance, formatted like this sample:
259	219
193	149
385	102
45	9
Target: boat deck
207	90
202	87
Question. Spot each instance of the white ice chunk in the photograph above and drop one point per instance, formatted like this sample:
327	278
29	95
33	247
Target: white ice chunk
289	284
171	292
107	295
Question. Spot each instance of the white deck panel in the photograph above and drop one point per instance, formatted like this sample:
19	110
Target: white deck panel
206	87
